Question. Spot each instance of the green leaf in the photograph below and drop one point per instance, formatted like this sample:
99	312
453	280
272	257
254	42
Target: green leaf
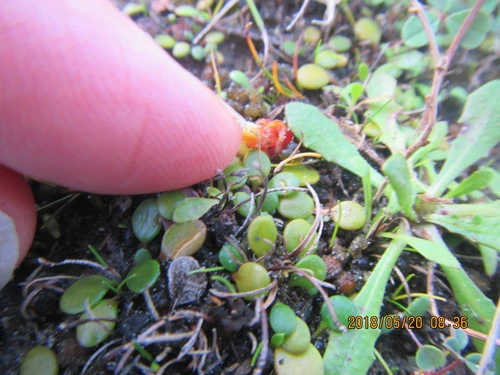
478	309
430	358
146	221
476	32
396	169
321	134
478	136
183	239
428	249
282	319
143	275
89	288
476	181
413	33
479	230
193	208
352	352
383	110
490	259
40	360
93	333
241	79
168	201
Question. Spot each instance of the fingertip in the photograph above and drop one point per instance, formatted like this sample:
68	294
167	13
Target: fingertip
92	103
17	222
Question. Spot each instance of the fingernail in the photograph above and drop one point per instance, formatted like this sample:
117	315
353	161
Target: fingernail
9	248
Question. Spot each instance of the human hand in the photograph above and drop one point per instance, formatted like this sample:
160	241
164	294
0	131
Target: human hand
88	101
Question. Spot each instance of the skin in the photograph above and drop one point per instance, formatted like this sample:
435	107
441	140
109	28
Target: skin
90	102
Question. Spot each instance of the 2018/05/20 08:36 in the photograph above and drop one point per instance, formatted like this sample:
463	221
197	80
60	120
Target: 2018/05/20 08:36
409	322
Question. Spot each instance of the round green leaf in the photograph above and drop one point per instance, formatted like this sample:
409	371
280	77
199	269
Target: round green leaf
476	32
368	29
40	360
305	173
191	209
93	333
343	307
282	318
168	201
295	231
313	263
262	234
143	276
349	215
283	180
259	166
183	239
146	221
419	306
312	77
309	362
298	206
299	340
141	255
251	276
242	200
413	33
229	256
91	288
429	358
238	176
277	339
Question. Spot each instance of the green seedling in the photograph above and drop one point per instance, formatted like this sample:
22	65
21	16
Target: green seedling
237	76
304	173
146	221
40	360
349	215
190	209
89	289
367	29
236	175
93	333
313	264
312	77
293	234
340	43
141	255
132	9
308	362
183	239
181	50
270	203
198	53
299	340
143	276
259	166
312	35
262	234
282	319
242	200
215	37
230	257
343	307
284	180
187	11
251	276
430	358
329	59
298	206
165	41
168	201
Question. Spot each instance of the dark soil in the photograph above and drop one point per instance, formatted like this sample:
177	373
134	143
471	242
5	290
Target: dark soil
226	339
